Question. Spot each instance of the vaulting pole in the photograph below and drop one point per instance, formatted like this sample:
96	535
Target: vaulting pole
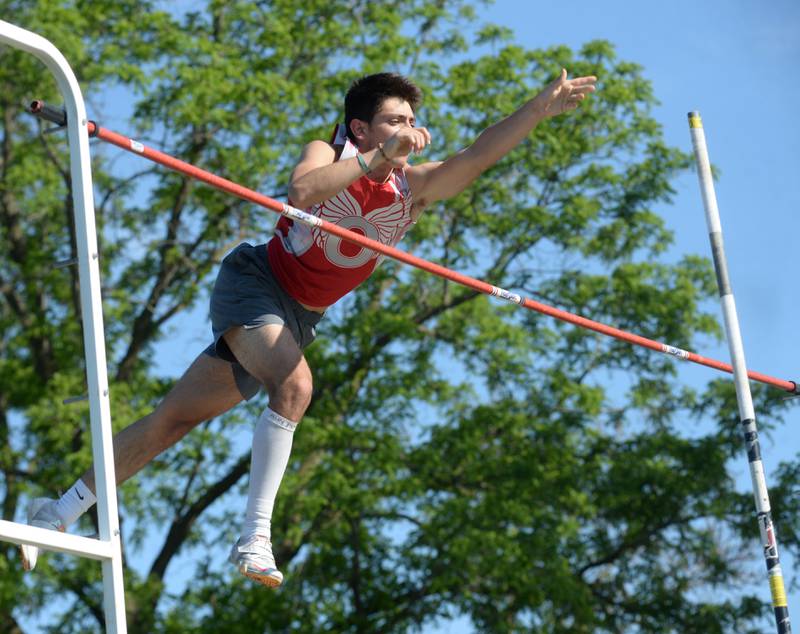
743	395
56	115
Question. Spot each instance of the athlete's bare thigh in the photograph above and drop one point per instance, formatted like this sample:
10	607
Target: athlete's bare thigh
271	354
207	389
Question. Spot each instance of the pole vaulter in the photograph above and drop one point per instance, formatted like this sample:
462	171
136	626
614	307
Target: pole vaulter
58	116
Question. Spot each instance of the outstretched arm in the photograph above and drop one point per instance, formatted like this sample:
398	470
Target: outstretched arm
436	181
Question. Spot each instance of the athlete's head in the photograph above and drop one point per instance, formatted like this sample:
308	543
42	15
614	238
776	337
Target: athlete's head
368	94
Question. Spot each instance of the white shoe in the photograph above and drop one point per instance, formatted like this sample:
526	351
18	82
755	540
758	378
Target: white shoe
41	513
254	560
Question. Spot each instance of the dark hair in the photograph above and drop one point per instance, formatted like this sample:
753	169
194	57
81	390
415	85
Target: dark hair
367	94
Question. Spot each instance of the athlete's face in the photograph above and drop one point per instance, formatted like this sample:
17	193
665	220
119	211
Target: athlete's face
393	115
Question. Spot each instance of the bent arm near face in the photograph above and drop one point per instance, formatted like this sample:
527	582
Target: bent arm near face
319	176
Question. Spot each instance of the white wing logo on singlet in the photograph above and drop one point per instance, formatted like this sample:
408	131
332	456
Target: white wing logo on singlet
385	224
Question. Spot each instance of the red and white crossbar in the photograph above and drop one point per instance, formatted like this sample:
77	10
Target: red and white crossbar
55	115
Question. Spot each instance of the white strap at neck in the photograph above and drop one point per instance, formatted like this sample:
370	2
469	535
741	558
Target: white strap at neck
340	138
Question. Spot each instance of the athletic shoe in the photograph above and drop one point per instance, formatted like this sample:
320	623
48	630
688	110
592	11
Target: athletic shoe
254	560
41	513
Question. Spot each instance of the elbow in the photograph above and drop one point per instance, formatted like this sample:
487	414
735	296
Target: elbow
303	196
297	196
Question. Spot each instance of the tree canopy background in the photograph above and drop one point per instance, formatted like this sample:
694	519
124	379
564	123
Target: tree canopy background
461	456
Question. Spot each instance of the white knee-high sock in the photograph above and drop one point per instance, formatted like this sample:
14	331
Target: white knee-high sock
272	445
75	502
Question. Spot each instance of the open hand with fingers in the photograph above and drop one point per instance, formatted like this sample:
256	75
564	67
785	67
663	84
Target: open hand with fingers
564	94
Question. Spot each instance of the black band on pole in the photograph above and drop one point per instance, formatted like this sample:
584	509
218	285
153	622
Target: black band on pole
49	113
40	109
720	265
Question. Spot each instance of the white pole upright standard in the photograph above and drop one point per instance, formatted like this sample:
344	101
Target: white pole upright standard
743	395
108	548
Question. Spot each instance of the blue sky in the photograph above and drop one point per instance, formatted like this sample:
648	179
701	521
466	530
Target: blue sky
737	65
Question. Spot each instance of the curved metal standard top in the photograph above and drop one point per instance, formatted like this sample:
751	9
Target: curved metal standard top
91	309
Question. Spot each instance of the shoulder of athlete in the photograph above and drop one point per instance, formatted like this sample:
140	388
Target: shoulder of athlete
418	177
314	155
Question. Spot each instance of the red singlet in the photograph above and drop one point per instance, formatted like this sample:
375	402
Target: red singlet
317	268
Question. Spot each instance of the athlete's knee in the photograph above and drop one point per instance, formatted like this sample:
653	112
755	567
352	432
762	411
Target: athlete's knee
293	394
299	386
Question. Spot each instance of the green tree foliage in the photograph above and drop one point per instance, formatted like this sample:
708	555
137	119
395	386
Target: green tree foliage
461	456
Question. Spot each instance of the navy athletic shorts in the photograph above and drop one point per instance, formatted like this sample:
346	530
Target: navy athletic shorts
247	294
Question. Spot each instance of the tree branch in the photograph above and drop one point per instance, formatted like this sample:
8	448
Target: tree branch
179	530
